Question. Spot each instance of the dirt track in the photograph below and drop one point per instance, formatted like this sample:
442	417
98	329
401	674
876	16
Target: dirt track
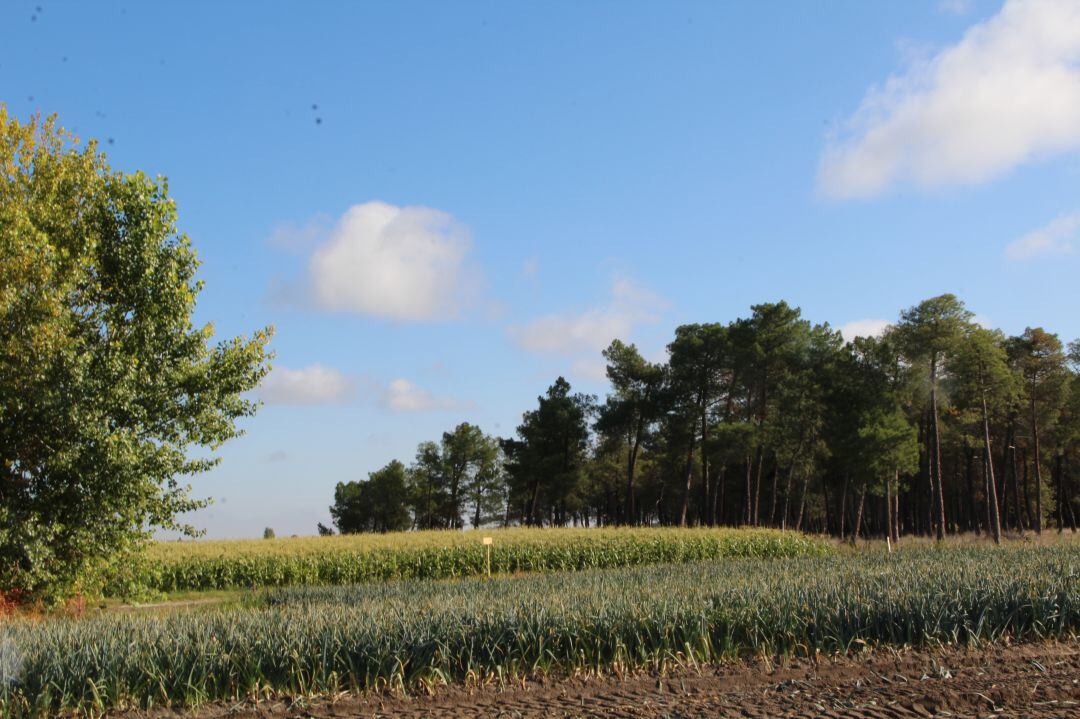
1035	680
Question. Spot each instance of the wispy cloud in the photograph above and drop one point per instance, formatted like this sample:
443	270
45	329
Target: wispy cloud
955	7
628	304
863	328
1060	237
401	395
1006	94
314	384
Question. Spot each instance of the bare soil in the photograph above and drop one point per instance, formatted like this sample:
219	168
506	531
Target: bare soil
1029	680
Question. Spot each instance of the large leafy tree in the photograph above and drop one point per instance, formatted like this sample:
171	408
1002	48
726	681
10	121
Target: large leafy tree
106	385
546	463
1042	363
375	505
983	382
929	333
472	471
634	406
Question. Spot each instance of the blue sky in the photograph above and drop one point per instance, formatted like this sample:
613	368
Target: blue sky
443	206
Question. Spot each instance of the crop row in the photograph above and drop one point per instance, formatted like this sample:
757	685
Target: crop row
406	634
174	566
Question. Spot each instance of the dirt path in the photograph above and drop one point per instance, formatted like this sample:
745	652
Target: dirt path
1035	680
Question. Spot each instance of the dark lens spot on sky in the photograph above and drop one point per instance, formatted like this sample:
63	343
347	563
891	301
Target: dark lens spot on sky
314	107
110	141
318	120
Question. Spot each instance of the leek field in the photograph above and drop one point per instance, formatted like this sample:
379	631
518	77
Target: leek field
411	633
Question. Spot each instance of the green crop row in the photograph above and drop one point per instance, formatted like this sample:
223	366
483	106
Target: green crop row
183	566
303	641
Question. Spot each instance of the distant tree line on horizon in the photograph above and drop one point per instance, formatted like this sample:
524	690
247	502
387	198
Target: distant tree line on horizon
937	426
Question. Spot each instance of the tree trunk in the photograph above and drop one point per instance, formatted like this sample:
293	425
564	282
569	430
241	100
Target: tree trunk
896	507
936	458
1068	497
705	485
843	508
787	495
859	515
972	522
775	487
689	479
1038	464
802	501
749	491
991	485
1057	492
888	511
757	485
630	465
718	496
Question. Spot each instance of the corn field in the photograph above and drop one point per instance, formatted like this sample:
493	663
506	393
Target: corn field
205	565
307	640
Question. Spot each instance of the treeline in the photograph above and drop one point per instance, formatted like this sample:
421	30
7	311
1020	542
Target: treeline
937	426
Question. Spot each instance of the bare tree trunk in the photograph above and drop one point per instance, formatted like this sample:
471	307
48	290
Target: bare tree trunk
718	496
896	507
787	496
936	458
991	485
1057	492
1038	468
772	507
757	486
749	491
802	501
689	479
972	522
1027	492
631	464
706	486
859	515
843	508
888	512
825	501
1068	497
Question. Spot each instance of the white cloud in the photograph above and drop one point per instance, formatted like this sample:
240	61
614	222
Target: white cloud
955	7
1060	237
400	263
299	238
589	369
594	328
1006	94
863	328
401	395
314	384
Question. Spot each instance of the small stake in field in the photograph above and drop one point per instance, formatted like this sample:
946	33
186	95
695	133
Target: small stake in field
487	550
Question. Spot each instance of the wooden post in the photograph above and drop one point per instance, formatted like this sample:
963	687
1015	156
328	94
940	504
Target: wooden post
487	552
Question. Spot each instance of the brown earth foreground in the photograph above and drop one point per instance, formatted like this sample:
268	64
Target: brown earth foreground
1029	680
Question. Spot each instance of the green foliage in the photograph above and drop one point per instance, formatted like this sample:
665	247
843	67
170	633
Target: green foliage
545	465
183	566
106	386
413	634
268	533
376	505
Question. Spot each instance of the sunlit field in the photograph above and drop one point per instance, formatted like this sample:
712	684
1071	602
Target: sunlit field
205	565
417	633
